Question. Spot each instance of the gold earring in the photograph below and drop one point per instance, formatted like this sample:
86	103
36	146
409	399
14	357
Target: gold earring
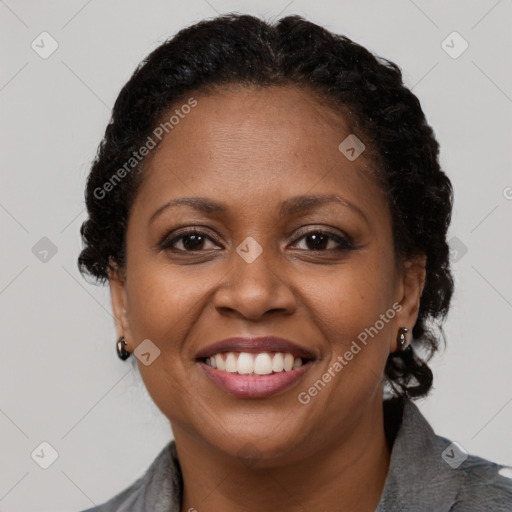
401	339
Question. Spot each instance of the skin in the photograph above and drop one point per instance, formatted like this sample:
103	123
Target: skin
253	149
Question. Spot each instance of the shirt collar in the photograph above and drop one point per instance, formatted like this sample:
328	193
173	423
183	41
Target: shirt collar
417	472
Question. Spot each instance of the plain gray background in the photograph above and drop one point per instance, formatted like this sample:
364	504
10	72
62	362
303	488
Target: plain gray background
62	382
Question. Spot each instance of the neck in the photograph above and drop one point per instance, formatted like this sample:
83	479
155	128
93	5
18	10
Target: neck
347	474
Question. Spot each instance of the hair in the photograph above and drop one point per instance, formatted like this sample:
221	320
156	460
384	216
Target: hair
243	50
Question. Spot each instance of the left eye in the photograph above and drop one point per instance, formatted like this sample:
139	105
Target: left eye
319	239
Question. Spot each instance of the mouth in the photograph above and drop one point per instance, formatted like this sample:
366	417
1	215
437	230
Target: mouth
255	368
261	363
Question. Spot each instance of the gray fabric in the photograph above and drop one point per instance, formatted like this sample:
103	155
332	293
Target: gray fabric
418	480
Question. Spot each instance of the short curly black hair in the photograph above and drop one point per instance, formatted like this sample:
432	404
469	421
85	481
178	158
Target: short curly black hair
238	49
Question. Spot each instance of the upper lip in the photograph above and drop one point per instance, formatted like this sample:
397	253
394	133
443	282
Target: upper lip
257	344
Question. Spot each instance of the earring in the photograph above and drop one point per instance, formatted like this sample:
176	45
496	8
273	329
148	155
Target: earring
401	339
121	352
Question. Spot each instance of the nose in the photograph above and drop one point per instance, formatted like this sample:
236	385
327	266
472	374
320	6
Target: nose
252	289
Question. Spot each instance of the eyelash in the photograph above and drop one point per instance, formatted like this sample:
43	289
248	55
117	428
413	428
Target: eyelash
344	242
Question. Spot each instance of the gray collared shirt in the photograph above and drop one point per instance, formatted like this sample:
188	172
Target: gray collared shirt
427	473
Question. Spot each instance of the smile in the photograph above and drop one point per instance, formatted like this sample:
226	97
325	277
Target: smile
254	375
263	363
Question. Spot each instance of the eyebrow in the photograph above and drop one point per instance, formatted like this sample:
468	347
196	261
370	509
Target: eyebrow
289	207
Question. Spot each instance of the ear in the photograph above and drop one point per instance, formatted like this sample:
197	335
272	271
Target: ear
117	283
411	281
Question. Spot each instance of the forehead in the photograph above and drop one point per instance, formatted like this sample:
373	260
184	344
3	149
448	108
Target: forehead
258	144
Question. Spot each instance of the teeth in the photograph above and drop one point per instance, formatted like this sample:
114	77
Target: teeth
278	362
219	362
263	363
245	363
288	362
231	363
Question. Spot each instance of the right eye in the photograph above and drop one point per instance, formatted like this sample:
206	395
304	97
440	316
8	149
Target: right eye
191	240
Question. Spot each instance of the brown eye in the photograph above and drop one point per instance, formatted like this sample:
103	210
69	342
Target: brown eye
319	241
190	241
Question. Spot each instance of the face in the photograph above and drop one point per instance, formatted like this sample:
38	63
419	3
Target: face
319	273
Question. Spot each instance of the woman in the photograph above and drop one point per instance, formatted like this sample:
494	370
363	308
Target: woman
268	209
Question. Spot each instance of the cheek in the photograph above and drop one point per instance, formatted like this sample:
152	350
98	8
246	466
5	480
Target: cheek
354	296
166	384
161	305
352	371
354	311
160	301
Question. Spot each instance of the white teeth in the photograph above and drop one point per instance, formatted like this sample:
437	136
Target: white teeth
263	363
231	365
219	362
278	362
245	363
288	362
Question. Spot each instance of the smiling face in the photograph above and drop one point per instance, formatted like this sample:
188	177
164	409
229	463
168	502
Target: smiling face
320	271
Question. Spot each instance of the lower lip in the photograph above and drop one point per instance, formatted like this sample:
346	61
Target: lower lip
254	386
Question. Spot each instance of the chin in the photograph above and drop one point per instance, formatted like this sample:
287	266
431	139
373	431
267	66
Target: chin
257	449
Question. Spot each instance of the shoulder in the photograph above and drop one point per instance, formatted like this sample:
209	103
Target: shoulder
485	486
158	489
125	500
429	472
